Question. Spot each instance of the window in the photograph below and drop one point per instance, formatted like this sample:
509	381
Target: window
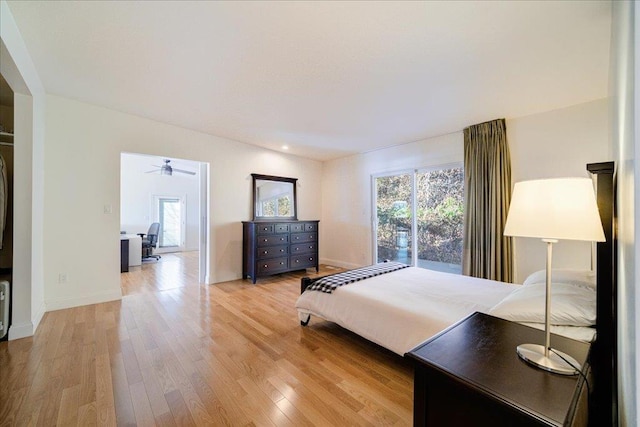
170	219
276	206
440	216
419	218
394	224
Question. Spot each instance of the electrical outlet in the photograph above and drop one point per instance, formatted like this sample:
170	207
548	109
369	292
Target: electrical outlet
62	278
108	209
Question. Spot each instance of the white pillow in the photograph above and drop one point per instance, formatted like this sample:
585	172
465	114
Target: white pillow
583	278
578	333
570	305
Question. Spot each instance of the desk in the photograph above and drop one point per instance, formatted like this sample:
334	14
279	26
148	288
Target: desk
134	251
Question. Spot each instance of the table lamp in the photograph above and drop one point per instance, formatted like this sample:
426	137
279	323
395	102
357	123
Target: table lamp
553	209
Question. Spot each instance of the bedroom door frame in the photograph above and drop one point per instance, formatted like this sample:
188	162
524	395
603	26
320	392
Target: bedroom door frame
204	229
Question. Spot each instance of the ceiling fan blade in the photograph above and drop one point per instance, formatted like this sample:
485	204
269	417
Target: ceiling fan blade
183	171
155	170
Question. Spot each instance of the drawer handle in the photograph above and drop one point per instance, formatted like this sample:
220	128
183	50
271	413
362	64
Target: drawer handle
297	249
310	258
266	252
282	263
281	250
266	228
297	260
265	240
311	247
265	266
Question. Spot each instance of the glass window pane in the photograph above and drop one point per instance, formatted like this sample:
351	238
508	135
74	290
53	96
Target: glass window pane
394	218
284	206
170	220
440	219
269	207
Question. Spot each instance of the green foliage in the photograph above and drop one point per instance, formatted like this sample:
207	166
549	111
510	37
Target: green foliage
284	206
440	213
283	203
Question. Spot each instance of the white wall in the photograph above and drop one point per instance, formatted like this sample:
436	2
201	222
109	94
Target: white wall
138	189
625	93
83	147
346	231
556	143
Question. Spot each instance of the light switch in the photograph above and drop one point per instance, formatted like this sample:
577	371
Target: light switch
108	209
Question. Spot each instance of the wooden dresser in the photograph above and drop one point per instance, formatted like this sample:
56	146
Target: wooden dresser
277	247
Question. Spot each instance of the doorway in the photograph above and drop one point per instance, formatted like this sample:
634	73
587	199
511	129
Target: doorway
171	192
6	206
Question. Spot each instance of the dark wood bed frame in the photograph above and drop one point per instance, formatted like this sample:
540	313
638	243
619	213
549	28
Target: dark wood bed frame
603	405
604	364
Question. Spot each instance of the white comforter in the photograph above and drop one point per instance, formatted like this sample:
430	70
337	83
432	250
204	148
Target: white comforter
400	310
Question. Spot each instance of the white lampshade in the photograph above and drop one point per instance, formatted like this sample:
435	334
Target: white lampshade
559	208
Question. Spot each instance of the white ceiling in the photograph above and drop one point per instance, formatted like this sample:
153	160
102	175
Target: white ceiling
327	79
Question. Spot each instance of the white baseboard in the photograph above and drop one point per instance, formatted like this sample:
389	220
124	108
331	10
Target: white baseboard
338	263
37	316
26	329
61	303
21	330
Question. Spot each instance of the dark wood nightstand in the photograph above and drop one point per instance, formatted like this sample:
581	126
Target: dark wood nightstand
470	375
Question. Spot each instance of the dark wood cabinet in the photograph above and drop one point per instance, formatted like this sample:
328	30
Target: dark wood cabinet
470	375
277	247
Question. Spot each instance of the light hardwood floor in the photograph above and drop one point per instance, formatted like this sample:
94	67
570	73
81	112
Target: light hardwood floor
173	352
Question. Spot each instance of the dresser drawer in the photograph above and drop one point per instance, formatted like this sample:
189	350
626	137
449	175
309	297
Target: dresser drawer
304	237
303	248
272	252
273	265
297	227
265	228
303	261
304	226
282	228
274	239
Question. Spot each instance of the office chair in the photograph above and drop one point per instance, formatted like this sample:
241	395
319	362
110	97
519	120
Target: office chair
150	241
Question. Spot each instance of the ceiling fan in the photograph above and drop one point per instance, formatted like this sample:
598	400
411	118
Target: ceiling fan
167	169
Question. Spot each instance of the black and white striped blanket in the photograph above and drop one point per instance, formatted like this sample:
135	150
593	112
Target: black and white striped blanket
329	283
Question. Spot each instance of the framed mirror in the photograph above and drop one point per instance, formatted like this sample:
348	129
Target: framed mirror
274	198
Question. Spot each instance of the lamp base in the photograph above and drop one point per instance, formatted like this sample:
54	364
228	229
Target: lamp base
534	354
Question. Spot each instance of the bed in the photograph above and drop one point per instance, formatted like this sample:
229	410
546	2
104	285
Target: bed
402	308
